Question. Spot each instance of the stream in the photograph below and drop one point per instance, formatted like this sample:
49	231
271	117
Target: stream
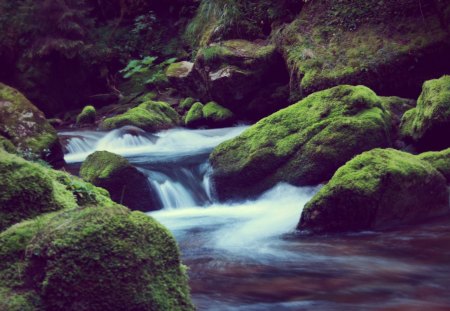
247	256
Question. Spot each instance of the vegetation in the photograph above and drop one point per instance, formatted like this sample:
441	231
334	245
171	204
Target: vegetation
87	115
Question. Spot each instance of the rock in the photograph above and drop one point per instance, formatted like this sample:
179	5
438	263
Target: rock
100	257
26	127
217	115
194	117
87	116
439	160
397	107
425	126
29	189
303	144
7	145
379	189
125	183
182	77
389	46
187	103
149	116
233	73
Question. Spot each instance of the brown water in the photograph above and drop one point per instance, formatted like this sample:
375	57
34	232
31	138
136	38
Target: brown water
407	269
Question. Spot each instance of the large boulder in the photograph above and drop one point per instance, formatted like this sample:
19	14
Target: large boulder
439	160
29	189
303	144
100	257
125	183
379	189
233	73
26	127
149	116
391	46
428	125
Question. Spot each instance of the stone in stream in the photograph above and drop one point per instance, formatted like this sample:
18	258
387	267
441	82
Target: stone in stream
379	189
150	116
303	144
87	116
125	183
26	127
98	257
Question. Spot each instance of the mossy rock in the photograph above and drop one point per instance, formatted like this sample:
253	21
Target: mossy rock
101	257
149	116
26	127
195	117
390	46
125	183
428	124
439	160
29	189
303	144
379	189
87	115
217	115
187	103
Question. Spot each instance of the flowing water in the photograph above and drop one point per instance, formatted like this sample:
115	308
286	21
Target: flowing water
247	255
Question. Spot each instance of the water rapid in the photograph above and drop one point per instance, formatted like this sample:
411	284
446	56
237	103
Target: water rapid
247	256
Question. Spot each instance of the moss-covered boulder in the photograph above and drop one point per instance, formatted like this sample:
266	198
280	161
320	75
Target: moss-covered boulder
26	127
29	189
391	46
303	144
187	103
439	160
379	189
428	125
149	116
87	115
125	183
7	145
100	257
194	116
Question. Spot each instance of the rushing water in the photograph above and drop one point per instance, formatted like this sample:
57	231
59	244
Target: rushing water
247	256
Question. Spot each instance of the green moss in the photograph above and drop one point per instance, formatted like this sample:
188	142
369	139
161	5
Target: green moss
303	144
95	258
87	115
13	301
150	116
378	189
338	42
187	103
29	189
24	124
7	145
425	124
216	113
101	165
180	69
439	160
194	117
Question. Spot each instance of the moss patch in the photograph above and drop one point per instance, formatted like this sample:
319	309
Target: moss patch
95	258
439	160
87	115
194	117
25	125
149	116
426	124
378	189
303	144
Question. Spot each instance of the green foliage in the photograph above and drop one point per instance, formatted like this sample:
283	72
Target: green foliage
145	71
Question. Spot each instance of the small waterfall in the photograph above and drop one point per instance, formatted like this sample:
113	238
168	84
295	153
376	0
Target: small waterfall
175	161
